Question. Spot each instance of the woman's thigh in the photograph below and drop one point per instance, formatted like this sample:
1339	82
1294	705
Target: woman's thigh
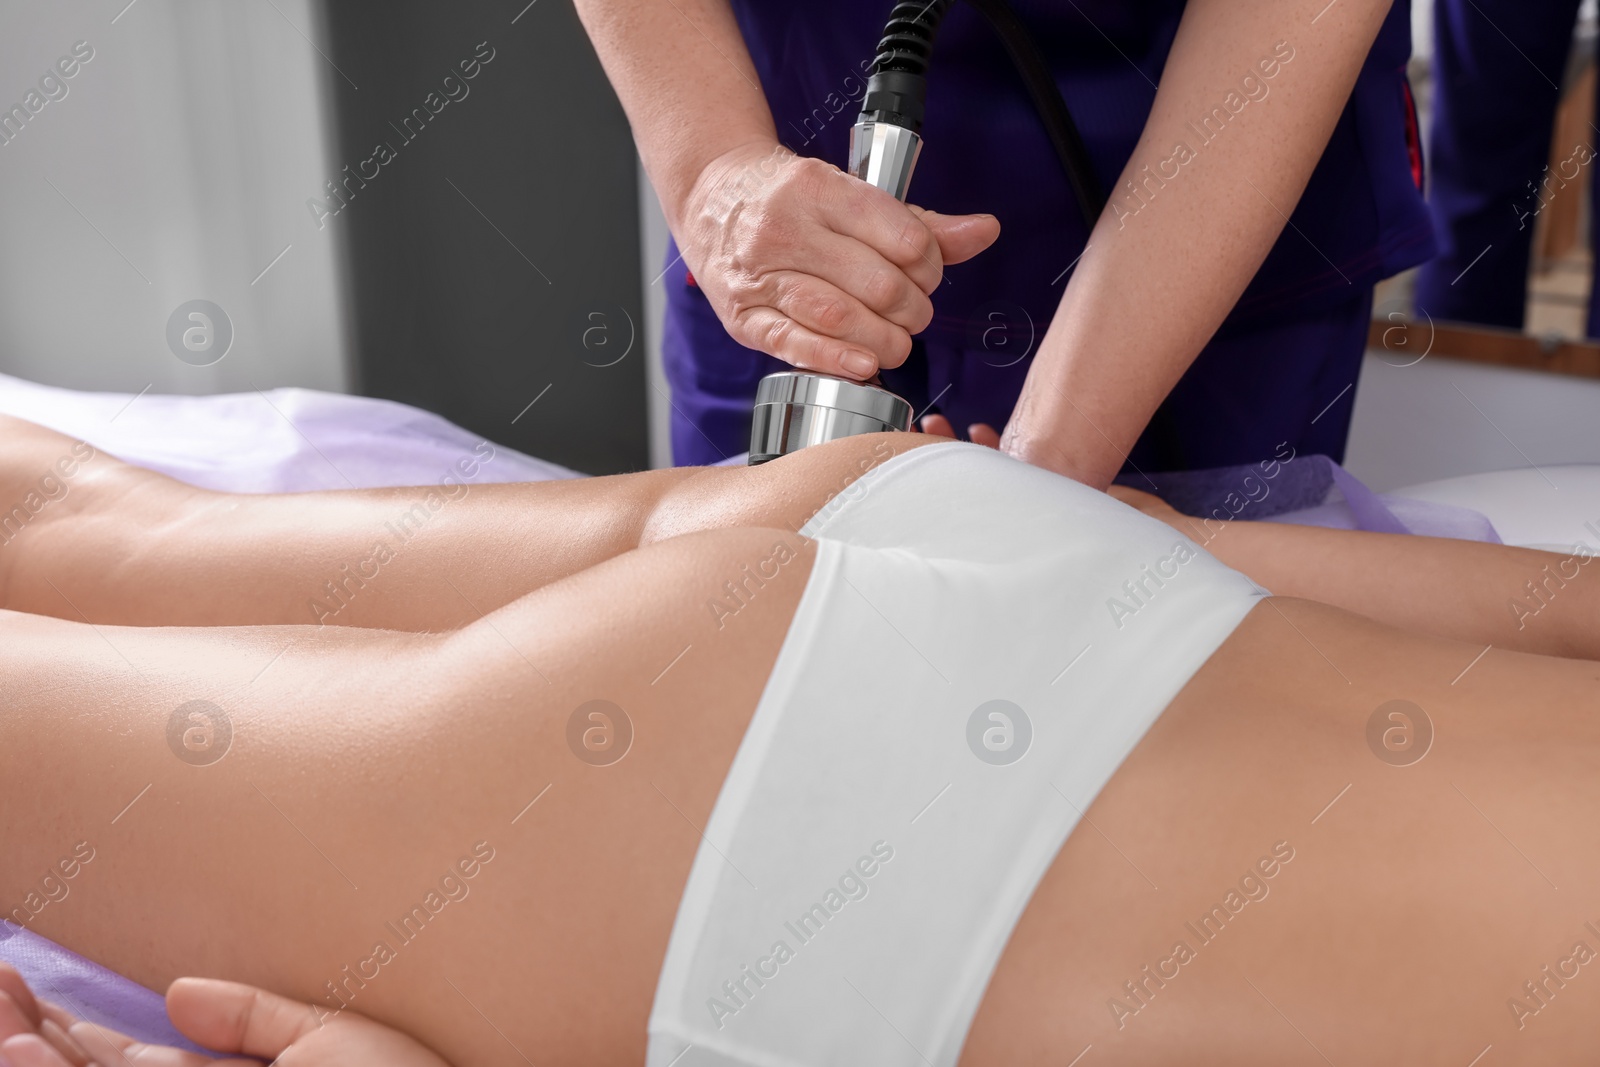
124	546
478	837
1291	869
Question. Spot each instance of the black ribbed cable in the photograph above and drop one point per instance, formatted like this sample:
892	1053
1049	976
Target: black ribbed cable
896	89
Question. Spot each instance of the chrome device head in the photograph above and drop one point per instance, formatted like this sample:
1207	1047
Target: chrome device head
796	409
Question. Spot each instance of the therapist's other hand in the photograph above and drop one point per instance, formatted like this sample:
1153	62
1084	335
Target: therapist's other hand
979	433
816	267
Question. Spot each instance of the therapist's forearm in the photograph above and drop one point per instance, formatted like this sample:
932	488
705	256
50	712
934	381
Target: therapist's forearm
685	79
1160	274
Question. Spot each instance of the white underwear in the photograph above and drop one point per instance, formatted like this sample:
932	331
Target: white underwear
979	646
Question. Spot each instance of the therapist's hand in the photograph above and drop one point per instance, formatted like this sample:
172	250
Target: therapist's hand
814	266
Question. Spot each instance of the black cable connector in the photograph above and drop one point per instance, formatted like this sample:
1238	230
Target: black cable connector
899	81
897	88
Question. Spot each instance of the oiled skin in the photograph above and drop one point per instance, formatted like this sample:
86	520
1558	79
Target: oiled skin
365	762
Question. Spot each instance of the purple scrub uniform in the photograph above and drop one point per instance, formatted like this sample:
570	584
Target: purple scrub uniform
1282	367
1497	69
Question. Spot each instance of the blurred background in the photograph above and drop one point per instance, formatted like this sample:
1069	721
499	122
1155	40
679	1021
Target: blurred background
1506	373
441	204
489	266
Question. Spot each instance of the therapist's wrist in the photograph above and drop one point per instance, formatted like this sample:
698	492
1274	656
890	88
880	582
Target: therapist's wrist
691	179
1055	439
1053	457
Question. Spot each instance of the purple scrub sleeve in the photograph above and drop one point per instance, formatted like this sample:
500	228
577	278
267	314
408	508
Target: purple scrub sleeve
1259	383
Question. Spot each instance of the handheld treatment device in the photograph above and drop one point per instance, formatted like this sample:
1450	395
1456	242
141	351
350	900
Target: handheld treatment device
795	409
799	408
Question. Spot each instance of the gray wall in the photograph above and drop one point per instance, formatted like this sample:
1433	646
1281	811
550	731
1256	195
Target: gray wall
1439	418
653	250
175	168
493	262
495	258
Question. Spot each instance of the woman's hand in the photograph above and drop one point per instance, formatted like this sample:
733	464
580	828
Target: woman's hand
816	267
231	1018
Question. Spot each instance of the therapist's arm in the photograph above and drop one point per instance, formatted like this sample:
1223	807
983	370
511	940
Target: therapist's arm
685	78
1152	287
797	258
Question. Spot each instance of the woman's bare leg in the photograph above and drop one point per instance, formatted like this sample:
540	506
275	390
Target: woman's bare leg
1513	598
127	546
124	546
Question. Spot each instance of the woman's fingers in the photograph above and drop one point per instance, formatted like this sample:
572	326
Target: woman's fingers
30	1050
13	1020
40	1034
231	1017
26	1023
100	1043
65	1044
57	1014
14	986
107	1048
